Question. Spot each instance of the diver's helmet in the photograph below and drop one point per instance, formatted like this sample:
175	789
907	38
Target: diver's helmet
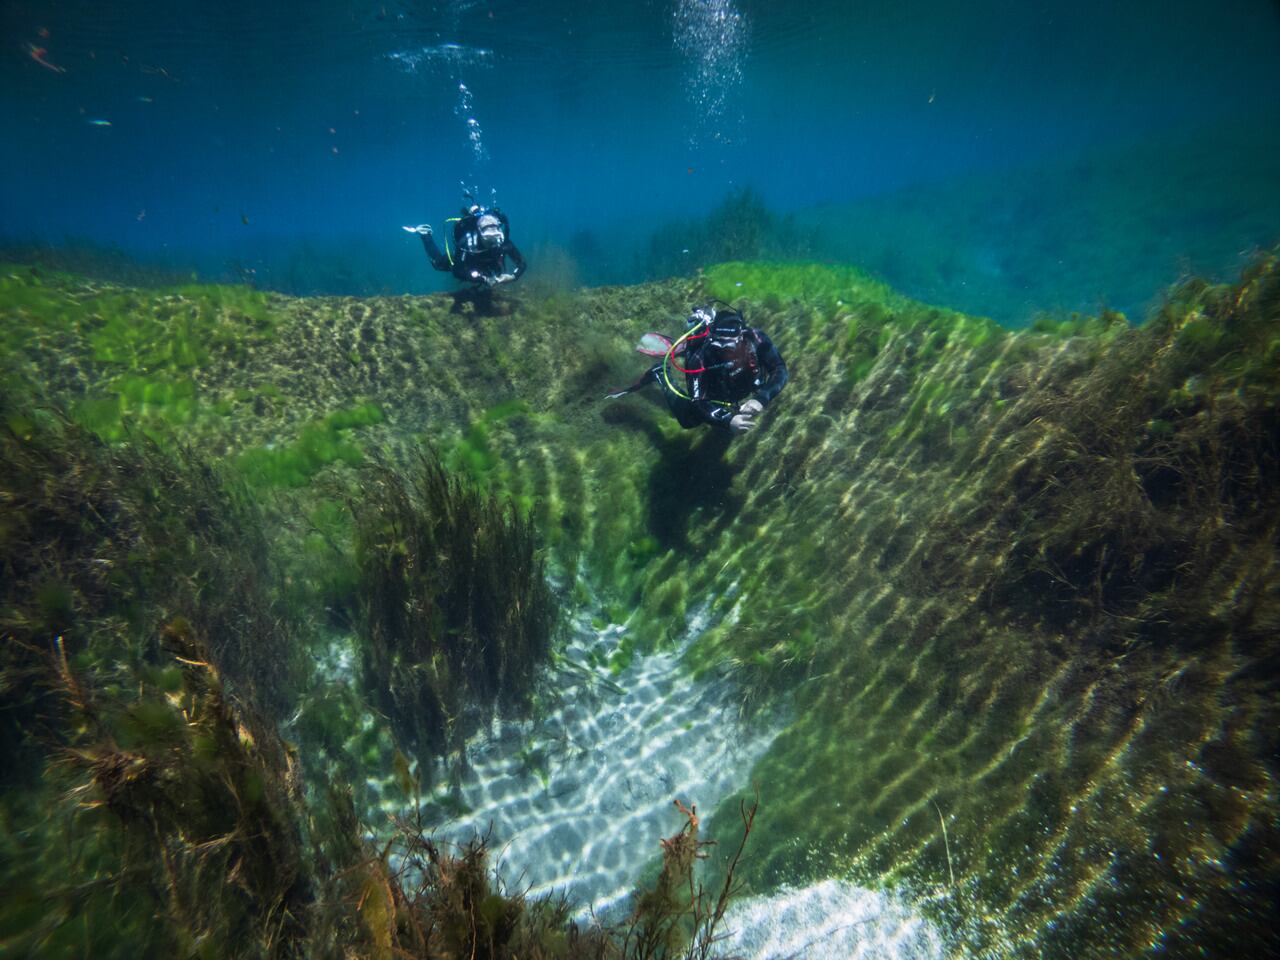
490	229
728	323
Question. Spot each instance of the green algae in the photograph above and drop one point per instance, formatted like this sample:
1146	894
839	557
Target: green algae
166	329
318	445
135	354
1094	524
472	454
817	285
168	780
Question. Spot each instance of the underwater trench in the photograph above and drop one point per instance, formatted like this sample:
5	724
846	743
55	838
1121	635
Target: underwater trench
572	802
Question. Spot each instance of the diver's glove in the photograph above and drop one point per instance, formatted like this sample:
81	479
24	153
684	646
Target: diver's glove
751	407
424	229
741	422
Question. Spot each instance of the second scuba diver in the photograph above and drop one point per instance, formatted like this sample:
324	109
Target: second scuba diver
481	246
731	371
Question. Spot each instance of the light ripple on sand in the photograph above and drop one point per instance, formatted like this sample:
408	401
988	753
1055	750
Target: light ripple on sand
585	819
830	920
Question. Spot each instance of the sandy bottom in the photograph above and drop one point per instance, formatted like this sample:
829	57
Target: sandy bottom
576	802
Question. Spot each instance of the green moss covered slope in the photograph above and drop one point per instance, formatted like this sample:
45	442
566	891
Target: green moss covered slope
1022	583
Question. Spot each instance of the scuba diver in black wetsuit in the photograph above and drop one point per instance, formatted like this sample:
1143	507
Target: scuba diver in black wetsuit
731	371
481	246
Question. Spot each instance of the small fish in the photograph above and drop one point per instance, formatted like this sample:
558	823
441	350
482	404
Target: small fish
146	99
244	218
38	54
98	123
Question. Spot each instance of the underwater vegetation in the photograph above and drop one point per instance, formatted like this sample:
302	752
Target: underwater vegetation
101	542
740	227
92	260
318	445
135	579
151	803
1019	590
1050	545
455	612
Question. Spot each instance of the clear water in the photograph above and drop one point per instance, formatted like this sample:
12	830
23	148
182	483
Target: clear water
1001	157
1004	158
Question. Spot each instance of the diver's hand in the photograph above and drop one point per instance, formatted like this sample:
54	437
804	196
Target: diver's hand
504	278
751	407
741	422
422	229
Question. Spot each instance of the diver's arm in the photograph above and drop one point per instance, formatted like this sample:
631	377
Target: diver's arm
714	413
509	250
775	369
438	259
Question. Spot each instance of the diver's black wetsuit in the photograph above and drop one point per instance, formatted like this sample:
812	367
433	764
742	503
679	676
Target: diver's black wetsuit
470	260
723	365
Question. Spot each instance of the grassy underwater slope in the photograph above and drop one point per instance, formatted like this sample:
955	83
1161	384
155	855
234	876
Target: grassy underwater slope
1024	583
152	648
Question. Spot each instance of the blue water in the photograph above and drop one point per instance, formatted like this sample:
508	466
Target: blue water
285	144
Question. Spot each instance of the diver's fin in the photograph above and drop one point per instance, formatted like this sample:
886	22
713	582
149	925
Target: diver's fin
653	345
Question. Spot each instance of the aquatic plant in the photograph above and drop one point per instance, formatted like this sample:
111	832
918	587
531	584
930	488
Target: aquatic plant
739	228
455	609
202	795
130	357
180	799
677	917
1009	548
820	285
441	904
1145	483
129	574
102	543
318	445
82	257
